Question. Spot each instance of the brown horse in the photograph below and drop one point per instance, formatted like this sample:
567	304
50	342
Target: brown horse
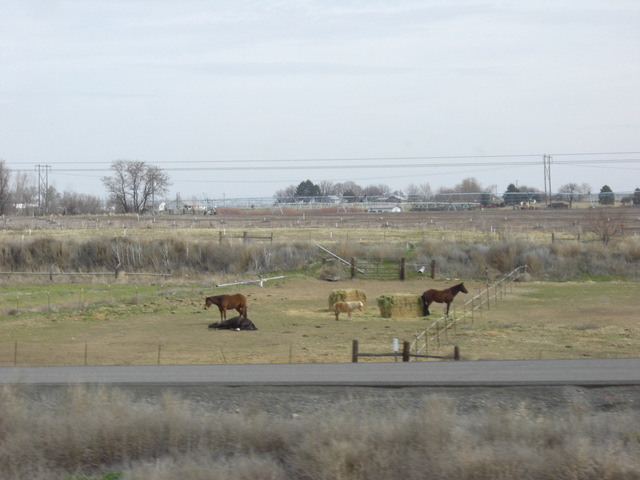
228	302
441	296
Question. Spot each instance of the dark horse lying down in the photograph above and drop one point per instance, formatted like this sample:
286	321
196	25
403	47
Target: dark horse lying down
441	296
235	323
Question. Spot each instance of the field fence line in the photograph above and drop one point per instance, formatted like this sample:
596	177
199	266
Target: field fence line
477	303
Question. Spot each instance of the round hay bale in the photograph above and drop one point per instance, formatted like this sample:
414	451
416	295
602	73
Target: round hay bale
347	295
400	305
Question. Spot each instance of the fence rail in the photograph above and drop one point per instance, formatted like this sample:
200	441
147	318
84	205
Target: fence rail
406	354
477	303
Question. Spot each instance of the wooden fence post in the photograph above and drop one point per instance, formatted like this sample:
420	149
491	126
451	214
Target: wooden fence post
402	268
433	269
354	351
353	268
456	353
406	351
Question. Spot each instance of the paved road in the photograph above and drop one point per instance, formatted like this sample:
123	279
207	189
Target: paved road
588	372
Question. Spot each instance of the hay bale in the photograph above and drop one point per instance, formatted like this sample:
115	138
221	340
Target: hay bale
347	295
400	305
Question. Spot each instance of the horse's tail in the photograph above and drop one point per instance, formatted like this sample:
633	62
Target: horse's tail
425	307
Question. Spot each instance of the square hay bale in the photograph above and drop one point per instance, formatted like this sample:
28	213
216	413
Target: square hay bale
347	295
400	305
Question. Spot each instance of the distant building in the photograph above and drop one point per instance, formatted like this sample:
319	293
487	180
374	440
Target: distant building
177	207
384	208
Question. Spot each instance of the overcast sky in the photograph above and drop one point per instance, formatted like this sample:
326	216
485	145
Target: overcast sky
243	98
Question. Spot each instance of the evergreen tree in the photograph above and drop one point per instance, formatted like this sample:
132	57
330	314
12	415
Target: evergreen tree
512	196
636	196
605	197
307	189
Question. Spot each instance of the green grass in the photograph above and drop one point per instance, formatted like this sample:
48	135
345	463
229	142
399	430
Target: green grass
74	296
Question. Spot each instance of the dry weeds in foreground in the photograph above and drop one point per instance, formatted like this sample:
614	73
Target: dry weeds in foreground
94	432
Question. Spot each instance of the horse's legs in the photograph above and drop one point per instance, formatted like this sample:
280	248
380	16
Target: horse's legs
425	311
448	305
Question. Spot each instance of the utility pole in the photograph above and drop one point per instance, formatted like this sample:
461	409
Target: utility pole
546	162
43	188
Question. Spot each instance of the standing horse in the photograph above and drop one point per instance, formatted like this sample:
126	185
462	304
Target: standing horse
228	302
441	296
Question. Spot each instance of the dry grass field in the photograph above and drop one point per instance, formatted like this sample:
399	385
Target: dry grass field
149	321
331	224
101	433
169	326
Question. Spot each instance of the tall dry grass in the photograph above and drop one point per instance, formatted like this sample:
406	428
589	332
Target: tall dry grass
98	431
559	260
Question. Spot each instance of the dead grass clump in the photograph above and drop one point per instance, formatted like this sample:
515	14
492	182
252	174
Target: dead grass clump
385	251
348	250
47	251
95	432
503	256
400	305
630	248
347	295
537	259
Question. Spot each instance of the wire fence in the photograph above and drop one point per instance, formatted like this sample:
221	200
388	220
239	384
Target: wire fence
488	298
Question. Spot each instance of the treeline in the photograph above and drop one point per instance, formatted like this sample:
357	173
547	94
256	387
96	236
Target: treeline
468	190
559	260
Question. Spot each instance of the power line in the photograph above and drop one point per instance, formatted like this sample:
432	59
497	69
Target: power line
236	167
421	157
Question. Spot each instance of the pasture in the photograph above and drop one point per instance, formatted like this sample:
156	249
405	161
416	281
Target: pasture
131	320
80	320
167	323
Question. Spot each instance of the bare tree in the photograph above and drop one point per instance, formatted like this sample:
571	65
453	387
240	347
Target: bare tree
350	190
568	192
286	195
5	189
72	203
419	192
376	190
326	188
134	185
606	223
25	192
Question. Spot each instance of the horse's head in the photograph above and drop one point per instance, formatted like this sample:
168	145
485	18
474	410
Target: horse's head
208	302
462	288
